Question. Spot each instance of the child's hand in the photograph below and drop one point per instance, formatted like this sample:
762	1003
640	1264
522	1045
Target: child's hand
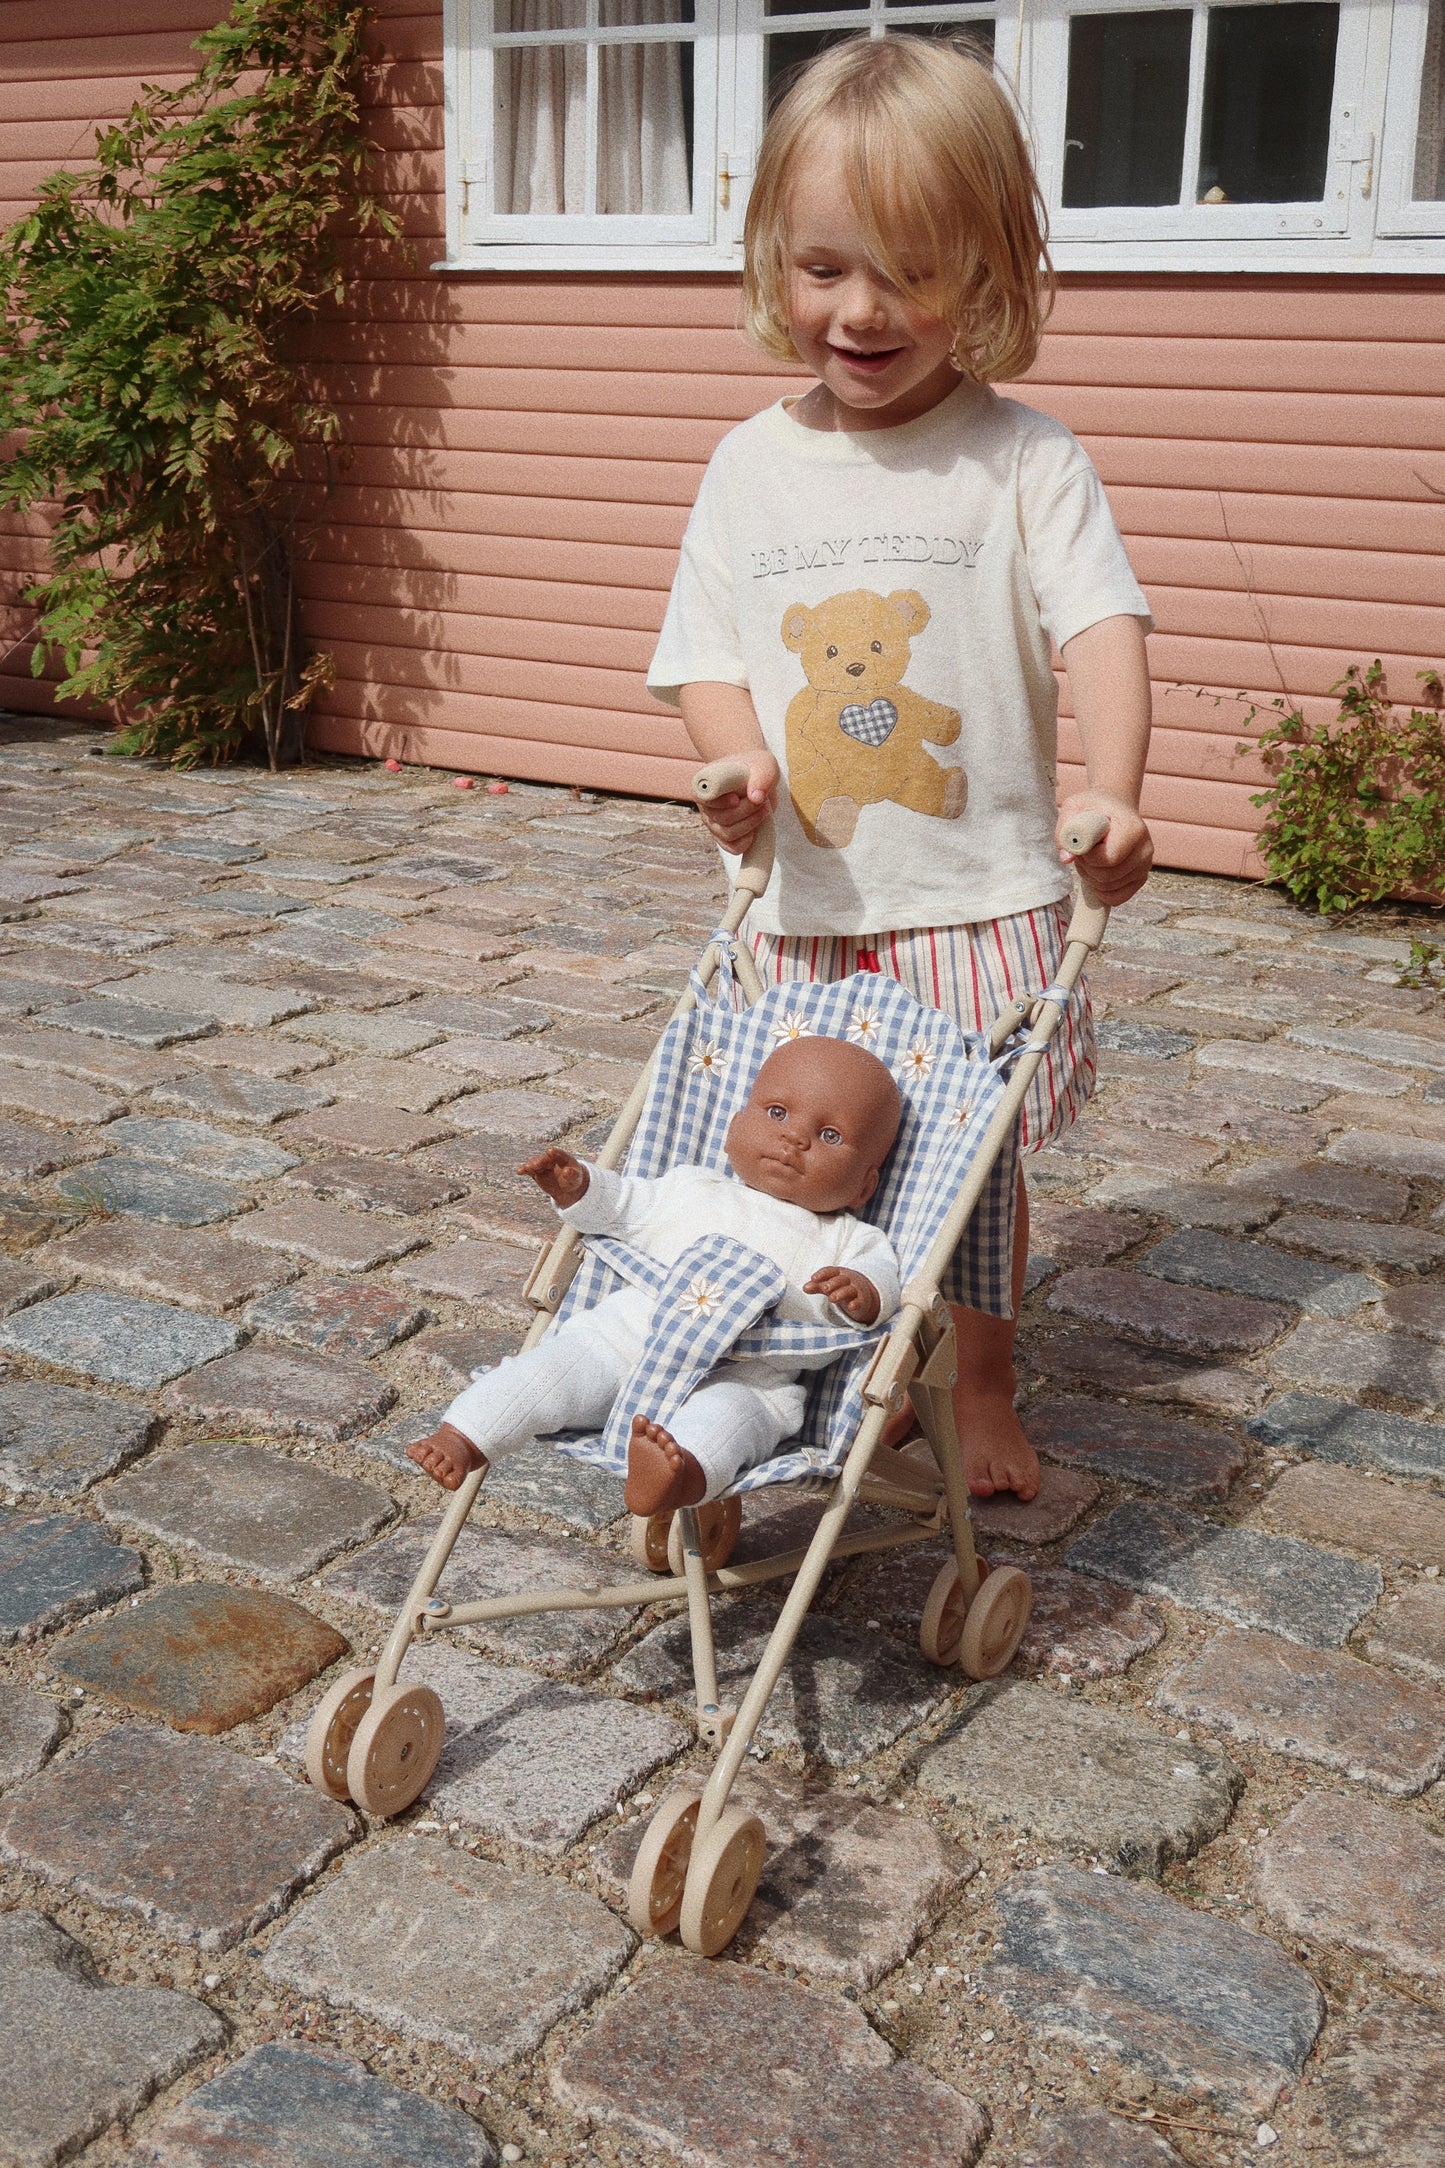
847	1290
734	821
1118	865
564	1178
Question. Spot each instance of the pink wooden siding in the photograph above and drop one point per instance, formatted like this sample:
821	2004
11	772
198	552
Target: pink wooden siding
495	556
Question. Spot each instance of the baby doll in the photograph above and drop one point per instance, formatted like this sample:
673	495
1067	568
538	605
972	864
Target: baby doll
807	1148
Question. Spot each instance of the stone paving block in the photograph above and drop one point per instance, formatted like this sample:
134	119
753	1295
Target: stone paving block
116	1339
502	1062
1116	1966
1347	1190
205	1845
1064	1496
492	1273
201	1147
1080	1627
190	1266
134	1022
77	2056
1366	1437
539	1479
394	1031
353	1126
1334	1071
30	1730
843	1695
1199	1258
1136	1035
1187	1204
222	1001
24	1221
1194	1113
1193	1319
288	2106
1145	1373
376	1185
1417	1309
1398	1049
245	1507
1393	1521
72	967
1407	1249
1408	1631
454	1356
823	2089
1277	1582
258	1053
96	1061
572	996
24	1283
1382	1153
1092	2138
1090	1780
1187	1460
1317	1705
453	1013
26	1152
612	1042
1361	1877
1127	1144
1384	2088
29	997
337	1317
1127	935
56	1442
847	1888
55	1098
1390	1363
411	1087
488	1563
286	1395
447	1948
329	1235
532	1118
237	1095
141	1189
389	1444
1073	1234
532	1761
200	1656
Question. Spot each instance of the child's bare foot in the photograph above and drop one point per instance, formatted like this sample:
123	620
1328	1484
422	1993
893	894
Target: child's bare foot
996	1454
661	1474
447	1456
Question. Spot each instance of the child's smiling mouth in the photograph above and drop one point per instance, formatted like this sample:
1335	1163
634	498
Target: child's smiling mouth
869	361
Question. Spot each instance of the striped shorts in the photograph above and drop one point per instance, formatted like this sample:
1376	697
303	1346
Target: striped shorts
970	972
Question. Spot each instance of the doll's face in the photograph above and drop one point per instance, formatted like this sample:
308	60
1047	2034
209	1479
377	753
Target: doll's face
818	1126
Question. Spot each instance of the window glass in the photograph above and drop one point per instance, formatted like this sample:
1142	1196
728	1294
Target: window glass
1430	136
790	50
1269	81
1128	102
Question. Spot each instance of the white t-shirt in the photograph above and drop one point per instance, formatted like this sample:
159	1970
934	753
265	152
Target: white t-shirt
889	598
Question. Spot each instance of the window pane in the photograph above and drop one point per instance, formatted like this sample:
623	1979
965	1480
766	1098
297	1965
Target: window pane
644	125
644	116
1269	83
812	7
1430	141
1128	99
620	13
791	50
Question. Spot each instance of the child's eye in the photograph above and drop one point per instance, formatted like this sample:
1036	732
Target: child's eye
777	1114
831	1136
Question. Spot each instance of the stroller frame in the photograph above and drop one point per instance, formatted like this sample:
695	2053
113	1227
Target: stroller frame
377	1742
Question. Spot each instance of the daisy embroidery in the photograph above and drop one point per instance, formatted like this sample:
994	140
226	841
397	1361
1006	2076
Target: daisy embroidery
918	1061
701	1298
865	1025
790	1027
708	1060
961	1118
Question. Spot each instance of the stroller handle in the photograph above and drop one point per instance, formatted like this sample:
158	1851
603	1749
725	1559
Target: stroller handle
720	779
1090	917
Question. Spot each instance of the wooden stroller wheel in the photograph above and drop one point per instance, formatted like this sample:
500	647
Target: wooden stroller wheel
995	1623
726	1868
659	1872
332	1729
647	1541
397	1745
940	1630
718	1526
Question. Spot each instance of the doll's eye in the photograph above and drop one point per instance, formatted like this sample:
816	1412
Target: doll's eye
777	1114
831	1136
831	652
875	647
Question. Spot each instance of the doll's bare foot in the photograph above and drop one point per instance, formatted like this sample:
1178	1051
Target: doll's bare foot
661	1474
996	1454
447	1456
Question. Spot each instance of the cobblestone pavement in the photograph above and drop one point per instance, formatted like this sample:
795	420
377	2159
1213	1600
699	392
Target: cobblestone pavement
269	1051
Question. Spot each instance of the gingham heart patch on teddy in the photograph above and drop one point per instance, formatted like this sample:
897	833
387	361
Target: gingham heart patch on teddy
870	725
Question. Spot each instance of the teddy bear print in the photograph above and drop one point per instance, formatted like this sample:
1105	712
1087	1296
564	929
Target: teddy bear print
856	732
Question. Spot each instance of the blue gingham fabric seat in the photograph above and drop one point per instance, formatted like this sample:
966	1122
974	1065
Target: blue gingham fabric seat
949	1087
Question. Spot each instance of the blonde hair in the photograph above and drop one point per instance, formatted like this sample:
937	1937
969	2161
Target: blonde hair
937	160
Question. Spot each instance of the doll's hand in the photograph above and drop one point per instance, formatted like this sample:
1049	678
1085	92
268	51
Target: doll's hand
564	1178
734	821
847	1290
1118	865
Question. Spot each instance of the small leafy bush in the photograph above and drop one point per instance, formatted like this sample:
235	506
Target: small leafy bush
147	379
1425	971
1356	810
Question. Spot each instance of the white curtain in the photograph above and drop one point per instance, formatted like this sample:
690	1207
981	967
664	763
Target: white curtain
641	120
1430	141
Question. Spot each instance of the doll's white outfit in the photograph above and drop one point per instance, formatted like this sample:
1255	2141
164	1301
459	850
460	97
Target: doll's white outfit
743	1411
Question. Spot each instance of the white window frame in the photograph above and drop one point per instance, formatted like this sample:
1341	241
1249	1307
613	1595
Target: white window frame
1365	220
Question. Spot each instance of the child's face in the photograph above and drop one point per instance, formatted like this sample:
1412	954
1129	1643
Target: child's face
884	359
818	1125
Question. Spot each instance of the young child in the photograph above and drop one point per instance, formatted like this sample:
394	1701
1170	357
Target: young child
871	581
807	1148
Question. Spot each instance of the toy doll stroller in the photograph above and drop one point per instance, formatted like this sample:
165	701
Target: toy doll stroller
377	1741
